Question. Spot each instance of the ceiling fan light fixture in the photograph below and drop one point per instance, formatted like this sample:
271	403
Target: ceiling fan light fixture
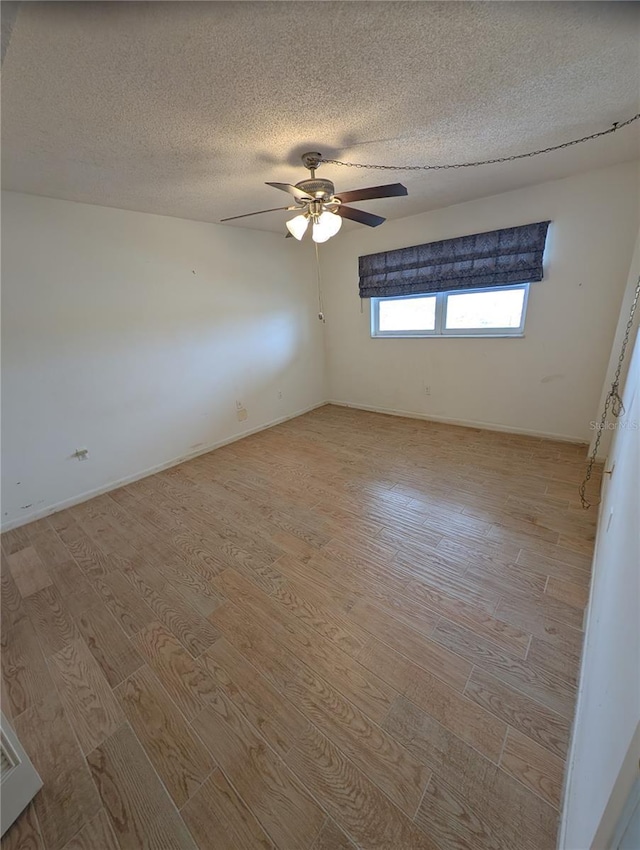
327	225
298	226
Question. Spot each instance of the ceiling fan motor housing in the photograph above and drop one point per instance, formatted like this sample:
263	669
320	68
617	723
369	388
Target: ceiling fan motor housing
317	188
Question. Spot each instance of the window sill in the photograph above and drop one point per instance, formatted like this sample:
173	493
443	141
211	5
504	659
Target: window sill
447	336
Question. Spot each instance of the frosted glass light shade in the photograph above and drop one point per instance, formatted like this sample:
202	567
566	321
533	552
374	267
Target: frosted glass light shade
327	226
297	226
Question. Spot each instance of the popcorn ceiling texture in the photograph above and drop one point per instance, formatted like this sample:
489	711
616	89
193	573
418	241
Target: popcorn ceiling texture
186	109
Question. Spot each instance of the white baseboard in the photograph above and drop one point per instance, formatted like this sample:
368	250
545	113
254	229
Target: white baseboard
466	423
121	482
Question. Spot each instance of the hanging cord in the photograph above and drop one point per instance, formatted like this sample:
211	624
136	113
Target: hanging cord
612	400
320	308
616	126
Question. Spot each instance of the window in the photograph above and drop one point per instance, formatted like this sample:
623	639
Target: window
499	311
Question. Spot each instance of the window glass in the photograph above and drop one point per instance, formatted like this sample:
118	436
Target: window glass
480	310
408	314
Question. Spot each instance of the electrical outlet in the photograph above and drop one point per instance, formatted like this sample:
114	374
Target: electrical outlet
279	393
239	405
427	389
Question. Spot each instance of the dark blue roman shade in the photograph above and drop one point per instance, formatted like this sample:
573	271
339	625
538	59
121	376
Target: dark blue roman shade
495	258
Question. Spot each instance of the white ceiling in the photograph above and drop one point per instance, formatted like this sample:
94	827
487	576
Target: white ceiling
186	109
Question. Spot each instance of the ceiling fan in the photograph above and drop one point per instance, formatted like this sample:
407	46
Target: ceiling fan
316	202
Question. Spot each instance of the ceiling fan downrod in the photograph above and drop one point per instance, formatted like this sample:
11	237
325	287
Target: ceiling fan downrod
316	187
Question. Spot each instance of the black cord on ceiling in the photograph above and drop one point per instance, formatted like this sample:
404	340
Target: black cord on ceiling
616	126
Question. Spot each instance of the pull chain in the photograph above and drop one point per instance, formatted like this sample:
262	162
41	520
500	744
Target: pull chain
612	400
320	308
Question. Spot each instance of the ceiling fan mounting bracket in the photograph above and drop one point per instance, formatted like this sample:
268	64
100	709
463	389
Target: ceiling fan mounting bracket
311	160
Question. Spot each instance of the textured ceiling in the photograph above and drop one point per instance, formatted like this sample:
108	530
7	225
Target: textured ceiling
186	109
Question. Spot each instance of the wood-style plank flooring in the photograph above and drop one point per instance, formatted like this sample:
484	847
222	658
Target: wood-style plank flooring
348	631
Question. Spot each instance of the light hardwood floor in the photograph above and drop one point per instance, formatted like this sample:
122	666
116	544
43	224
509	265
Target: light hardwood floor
351	630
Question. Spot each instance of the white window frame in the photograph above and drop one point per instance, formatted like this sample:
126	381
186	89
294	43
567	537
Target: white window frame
440	330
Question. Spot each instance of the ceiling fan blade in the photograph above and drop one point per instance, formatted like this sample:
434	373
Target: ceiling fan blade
360	216
391	190
246	215
292	190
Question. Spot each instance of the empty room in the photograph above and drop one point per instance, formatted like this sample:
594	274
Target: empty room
320	425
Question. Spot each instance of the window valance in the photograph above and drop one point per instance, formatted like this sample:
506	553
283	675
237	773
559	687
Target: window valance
495	258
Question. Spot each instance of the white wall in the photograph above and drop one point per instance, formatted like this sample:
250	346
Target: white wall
621	327
603	761
547	383
133	335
